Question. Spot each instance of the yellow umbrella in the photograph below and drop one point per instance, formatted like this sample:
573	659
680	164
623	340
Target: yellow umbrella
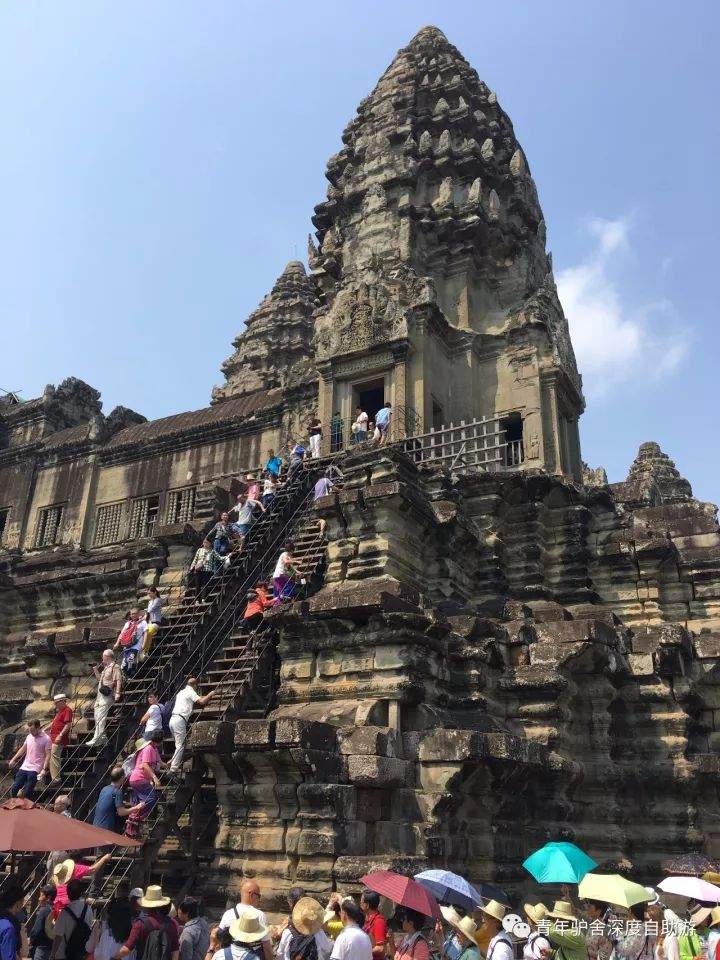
612	888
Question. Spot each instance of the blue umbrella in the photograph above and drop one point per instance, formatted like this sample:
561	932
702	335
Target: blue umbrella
450	888
559	863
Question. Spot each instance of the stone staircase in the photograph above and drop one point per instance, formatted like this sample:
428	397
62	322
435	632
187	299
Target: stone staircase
202	636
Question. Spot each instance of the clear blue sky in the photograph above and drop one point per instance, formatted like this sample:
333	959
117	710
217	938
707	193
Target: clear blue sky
159	162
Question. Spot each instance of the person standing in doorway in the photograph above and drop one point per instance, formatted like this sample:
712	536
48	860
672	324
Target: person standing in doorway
315	434
382	421
185	700
360	427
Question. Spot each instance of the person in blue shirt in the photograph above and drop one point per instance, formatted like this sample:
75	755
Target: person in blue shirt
110	808
12	900
274	463
382	420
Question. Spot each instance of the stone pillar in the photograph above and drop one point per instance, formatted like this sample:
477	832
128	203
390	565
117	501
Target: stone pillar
398	395
325	400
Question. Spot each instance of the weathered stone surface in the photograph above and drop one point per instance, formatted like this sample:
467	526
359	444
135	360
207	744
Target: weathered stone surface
495	657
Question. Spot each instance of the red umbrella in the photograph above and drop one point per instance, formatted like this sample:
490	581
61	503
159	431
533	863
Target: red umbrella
403	890
26	827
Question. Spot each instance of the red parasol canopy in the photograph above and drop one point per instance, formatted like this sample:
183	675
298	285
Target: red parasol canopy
26	827
403	890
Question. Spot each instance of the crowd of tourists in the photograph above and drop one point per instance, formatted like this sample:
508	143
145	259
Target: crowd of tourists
40	754
68	924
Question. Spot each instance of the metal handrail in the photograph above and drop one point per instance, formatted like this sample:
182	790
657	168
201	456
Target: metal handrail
316	542
171	683
88	685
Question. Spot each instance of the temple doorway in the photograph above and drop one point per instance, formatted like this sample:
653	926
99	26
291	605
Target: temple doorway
370	396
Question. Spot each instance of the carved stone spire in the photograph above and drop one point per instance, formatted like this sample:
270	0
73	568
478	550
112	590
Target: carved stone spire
654	469
431	175
275	349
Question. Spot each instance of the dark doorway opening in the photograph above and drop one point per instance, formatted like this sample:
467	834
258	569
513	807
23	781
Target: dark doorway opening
370	396
512	426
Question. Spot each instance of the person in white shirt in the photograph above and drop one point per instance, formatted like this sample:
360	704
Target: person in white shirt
182	708
537	946
152	718
500	946
284	573
360	427
306	920
249	898
352	942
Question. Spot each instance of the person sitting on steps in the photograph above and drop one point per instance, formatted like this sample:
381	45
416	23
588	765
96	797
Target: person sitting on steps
259	600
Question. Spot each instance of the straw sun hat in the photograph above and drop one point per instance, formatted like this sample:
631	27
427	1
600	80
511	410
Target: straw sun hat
562	910
154	898
248	927
494	909
703	913
63	872
537	912
307	916
466	925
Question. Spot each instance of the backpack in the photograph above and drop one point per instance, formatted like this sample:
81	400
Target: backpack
127	634
166	710
75	945
157	943
128	763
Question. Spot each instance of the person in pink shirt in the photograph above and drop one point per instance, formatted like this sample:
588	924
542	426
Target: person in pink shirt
414	945
144	782
69	870
36	751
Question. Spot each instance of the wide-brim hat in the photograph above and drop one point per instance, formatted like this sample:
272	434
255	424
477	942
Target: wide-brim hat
700	916
466	925
536	911
307	916
562	910
248	928
153	897
494	909
63	872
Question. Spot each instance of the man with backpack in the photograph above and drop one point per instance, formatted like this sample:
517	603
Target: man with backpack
156	936
73	926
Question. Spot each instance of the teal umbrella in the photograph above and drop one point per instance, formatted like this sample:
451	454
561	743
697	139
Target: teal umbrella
559	863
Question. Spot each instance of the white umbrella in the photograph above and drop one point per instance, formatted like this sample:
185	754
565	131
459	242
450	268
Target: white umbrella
691	887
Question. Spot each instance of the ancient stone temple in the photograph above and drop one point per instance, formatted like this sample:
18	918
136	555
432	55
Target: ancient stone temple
492	647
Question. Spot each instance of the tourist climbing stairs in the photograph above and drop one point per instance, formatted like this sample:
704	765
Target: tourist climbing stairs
187	643
241	668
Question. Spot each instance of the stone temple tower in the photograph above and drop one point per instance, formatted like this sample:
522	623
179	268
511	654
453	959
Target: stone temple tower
436	290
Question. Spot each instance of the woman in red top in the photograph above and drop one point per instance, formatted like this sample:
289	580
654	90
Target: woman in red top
259	602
